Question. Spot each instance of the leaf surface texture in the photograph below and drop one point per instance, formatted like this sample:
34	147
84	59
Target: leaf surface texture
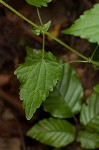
87	26
37	78
88	140
66	98
89	116
38	3
53	132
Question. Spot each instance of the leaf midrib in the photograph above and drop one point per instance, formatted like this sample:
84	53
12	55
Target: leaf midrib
50	131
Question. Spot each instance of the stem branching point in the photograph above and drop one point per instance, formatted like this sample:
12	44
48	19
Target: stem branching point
49	34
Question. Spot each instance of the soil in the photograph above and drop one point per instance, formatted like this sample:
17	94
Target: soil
15	36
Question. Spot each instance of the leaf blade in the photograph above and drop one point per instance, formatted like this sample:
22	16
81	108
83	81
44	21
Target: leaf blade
89	116
87	26
35	55
53	132
66	98
96	88
88	140
37	79
38	3
46	26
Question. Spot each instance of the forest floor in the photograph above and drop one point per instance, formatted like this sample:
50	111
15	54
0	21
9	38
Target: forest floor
15	36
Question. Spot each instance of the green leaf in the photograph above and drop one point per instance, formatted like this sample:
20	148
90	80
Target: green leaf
37	79
87	26
96	88
36	31
53	132
34	55
66	98
90	113
88	140
38	3
46	26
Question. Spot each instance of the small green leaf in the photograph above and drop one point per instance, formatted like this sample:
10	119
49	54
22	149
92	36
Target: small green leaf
89	116
36	31
38	3
96	88
66	98
87	26
53	132
37	79
88	140
46	26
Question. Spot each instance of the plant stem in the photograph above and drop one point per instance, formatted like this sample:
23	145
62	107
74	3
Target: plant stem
77	61
43	47
39	17
20	15
75	119
94	52
49	34
67	46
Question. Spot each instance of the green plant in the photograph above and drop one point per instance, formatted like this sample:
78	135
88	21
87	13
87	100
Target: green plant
44	77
